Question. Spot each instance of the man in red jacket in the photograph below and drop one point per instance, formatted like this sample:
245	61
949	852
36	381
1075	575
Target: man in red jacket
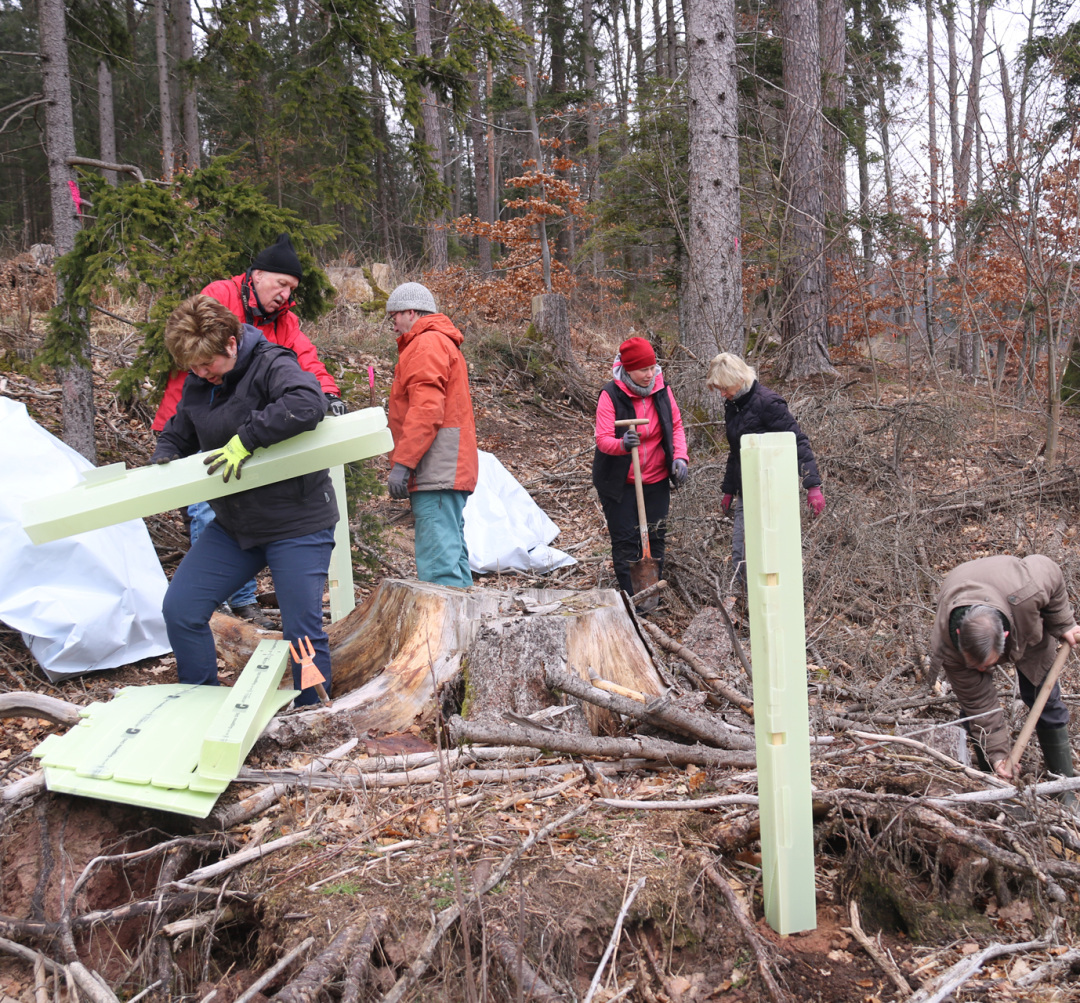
261	297
431	419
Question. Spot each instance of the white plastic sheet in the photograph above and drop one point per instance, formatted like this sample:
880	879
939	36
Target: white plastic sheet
505	530
84	603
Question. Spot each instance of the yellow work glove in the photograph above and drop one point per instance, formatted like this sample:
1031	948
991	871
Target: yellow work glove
231	456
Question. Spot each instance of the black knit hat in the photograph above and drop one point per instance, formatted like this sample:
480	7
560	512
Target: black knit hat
279	257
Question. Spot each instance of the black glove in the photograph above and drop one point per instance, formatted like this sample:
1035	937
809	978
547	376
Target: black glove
630	439
398	482
337	405
164	458
680	471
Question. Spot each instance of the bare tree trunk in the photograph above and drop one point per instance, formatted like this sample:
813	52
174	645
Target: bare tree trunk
534	129
948	11
435	242
168	156
712	295
660	48
77	388
478	135
592	120
971	113
189	105
106	121
802	325
672	40
935	174
834	95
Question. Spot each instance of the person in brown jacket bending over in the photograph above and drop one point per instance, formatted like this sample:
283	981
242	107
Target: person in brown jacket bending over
1005	609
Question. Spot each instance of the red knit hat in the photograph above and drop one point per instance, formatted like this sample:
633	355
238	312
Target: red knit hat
636	353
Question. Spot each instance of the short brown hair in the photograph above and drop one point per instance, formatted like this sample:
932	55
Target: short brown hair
198	329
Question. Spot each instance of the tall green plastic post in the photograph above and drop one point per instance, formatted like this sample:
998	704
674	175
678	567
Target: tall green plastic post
342	595
770	490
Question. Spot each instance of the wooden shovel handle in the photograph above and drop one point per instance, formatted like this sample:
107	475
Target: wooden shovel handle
1024	737
643	522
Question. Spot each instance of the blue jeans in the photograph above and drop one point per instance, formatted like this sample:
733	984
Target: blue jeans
215	566
441	554
201	516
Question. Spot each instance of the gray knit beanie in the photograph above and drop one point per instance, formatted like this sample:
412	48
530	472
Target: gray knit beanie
411	296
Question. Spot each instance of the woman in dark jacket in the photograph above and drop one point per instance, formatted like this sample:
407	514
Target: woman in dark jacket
749	408
242	393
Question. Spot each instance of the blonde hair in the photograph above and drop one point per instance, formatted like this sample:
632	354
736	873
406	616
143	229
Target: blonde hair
728	370
198	329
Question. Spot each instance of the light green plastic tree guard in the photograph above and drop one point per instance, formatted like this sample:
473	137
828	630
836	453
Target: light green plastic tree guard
770	489
113	494
340	581
174	747
246	711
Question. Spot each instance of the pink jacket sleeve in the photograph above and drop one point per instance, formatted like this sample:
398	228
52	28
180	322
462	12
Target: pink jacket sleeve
678	436
606	439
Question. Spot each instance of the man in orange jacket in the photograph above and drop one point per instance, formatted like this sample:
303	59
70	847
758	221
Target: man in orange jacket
431	419
261	297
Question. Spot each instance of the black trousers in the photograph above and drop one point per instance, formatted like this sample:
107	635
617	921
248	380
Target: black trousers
622	523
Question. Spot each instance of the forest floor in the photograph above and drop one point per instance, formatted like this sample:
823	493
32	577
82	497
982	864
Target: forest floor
920	472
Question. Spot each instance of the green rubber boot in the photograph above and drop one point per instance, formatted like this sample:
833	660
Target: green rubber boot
1057	754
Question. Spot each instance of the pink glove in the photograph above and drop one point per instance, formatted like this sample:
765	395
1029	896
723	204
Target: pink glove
725	504
816	500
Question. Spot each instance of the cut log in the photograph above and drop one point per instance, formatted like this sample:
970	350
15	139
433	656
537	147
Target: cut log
395	656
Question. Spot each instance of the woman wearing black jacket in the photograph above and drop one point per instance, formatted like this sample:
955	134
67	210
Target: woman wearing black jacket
749	408
242	393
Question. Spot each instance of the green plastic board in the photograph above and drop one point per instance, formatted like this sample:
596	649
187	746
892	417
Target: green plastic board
146	747
245	712
770	489
112	494
342	594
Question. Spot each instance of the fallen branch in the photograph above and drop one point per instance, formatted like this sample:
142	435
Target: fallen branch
264	980
613	941
942	987
23	788
527	983
45	708
245	856
451	914
711	679
360	961
29	954
884	962
757	945
657	712
307	987
615	748
1059	965
700	804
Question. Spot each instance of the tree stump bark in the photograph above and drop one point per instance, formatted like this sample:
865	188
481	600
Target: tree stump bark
411	642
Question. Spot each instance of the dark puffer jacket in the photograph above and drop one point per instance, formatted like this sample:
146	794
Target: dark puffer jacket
763	410
265	398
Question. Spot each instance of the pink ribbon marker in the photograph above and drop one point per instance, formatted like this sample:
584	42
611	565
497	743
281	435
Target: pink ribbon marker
371	385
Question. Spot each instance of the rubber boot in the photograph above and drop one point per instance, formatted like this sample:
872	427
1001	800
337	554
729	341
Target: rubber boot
1057	755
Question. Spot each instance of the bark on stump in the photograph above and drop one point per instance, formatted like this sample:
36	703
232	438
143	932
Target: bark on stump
410	640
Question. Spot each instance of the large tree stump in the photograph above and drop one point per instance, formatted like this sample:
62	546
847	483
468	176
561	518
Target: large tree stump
410	641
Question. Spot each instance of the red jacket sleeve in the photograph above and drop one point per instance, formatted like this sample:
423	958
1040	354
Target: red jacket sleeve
287	332
167	408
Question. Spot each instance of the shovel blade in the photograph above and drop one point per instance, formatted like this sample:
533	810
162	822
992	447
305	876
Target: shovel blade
644	573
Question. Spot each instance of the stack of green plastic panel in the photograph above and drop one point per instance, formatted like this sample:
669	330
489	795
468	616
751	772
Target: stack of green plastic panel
152	746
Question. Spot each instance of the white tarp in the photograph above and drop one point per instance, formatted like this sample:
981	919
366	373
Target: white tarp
84	603
505	529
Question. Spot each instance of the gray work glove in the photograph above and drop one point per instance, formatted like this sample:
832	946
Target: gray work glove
337	405
398	482
630	439
680	470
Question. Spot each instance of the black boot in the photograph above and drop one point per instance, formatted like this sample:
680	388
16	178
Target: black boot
1057	755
